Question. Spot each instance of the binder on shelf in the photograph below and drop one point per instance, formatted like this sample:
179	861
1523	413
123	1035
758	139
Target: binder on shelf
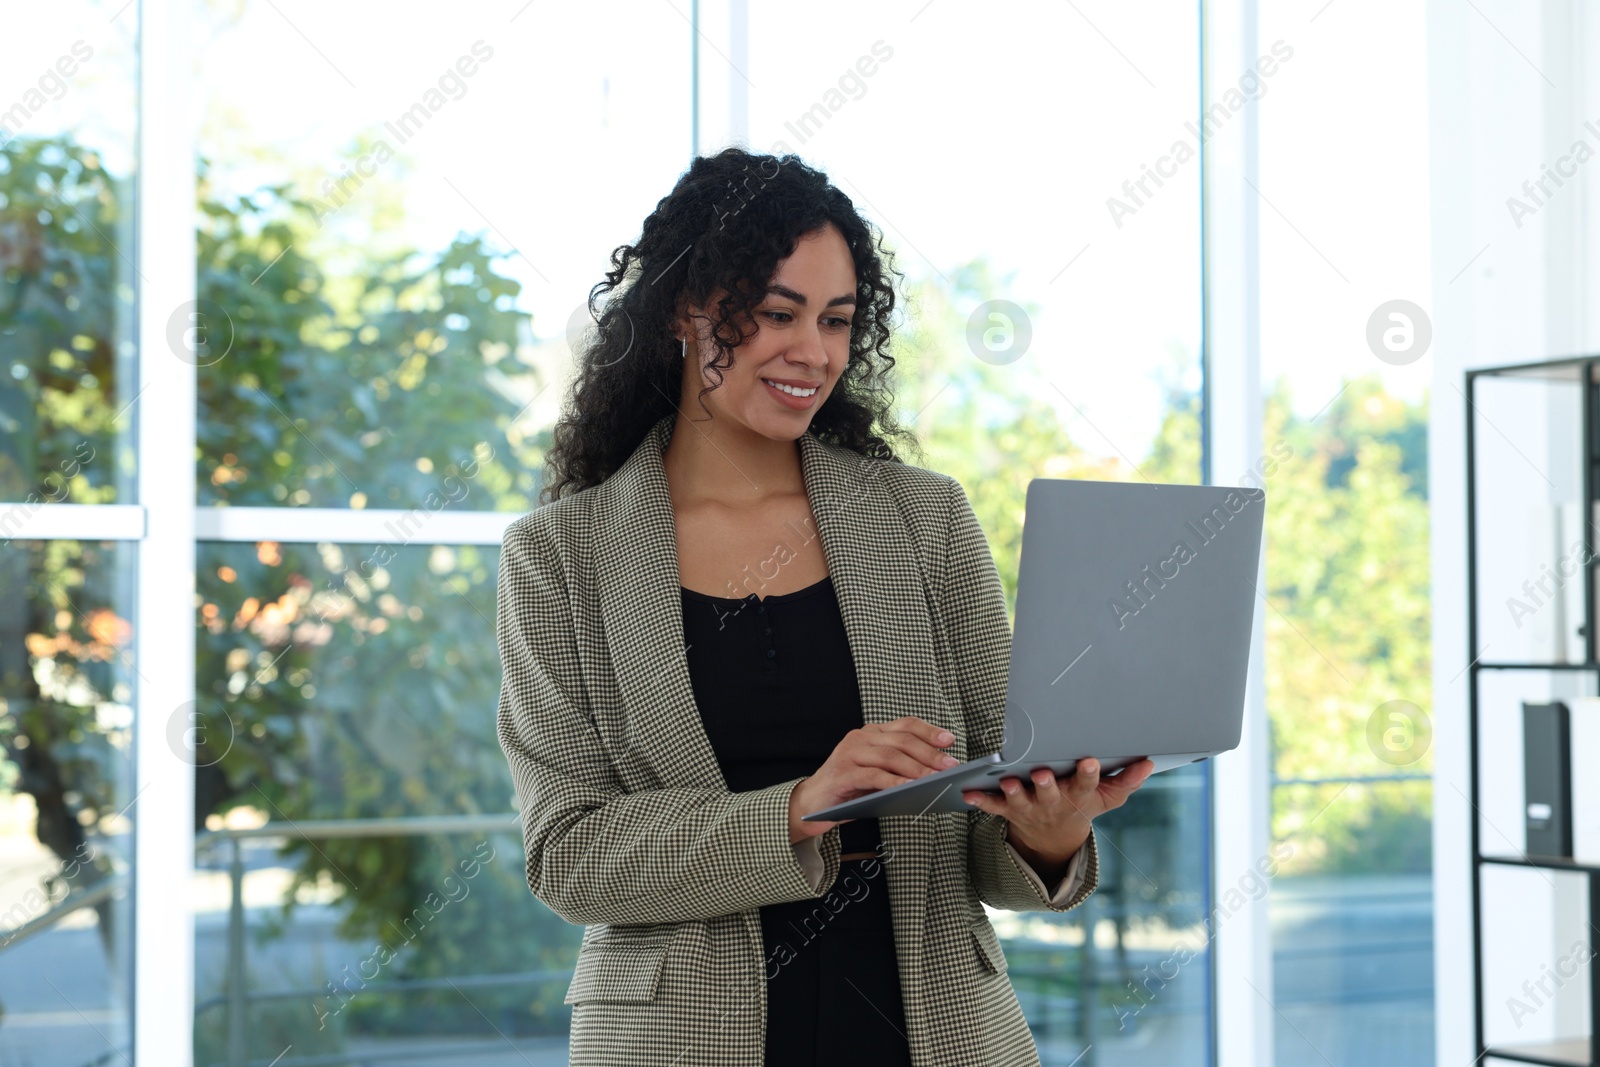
1547	779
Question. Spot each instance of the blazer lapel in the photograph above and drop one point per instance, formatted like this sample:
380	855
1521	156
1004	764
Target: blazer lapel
636	564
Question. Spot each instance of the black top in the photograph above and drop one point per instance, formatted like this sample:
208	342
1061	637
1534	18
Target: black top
776	687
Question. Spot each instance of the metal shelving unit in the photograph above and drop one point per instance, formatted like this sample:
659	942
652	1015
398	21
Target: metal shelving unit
1584	374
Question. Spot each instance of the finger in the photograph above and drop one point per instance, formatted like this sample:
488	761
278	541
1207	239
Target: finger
914	758
918	749
1016	793
985	801
1131	778
1086	781
1046	791
909	743
933	735
871	779
889	757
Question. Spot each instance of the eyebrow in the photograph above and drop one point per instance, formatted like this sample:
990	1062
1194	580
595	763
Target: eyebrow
790	294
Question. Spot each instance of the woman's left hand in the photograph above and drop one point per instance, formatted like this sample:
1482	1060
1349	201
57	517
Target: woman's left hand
1049	817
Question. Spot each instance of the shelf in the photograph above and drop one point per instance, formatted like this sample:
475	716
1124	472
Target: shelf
1558	402
1573	1052
1536	666
1569	369
1547	863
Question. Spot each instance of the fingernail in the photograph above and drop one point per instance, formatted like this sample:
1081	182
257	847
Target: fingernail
949	761
945	737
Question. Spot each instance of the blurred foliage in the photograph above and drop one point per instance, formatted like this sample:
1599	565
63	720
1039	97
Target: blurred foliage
274	1024
390	386
65	644
371	695
1348	629
66	313
66	716
991	427
333	681
360	681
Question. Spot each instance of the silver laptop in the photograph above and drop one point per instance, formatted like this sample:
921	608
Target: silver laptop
1131	640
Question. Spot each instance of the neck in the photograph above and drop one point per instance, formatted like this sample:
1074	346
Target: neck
715	460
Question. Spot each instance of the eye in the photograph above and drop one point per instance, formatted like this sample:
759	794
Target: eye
841	322
781	321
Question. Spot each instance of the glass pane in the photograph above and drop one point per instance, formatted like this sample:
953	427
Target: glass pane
391	271
1346	366
348	681
67	274
1046	334
414	948
67	676
1141	988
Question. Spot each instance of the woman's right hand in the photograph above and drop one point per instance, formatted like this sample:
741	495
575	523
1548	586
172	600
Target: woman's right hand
873	757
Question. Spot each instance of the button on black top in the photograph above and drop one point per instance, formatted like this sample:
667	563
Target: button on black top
776	689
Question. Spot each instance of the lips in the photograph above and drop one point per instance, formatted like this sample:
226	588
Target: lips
794	401
796	389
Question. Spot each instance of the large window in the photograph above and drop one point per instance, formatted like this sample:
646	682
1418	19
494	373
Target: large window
69	660
1346	357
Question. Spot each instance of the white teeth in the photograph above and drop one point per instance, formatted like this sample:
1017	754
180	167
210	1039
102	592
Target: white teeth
791	390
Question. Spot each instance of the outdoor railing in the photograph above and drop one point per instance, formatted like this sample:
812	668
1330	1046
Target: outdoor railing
237	998
1059	1014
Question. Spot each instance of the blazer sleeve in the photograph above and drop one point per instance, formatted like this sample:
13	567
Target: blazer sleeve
597	853
973	606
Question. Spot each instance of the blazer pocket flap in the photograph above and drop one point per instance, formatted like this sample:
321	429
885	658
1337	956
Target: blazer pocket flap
988	945
619	970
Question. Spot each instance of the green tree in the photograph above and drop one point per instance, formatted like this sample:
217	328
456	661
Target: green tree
992	427
65	682
1347	631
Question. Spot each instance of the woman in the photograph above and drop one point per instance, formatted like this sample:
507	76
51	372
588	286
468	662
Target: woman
738	607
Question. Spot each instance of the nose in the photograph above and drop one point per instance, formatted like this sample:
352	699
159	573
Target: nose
809	349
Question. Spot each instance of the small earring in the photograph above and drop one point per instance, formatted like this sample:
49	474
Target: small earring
685	341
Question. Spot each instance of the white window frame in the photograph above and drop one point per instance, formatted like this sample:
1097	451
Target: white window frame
164	642
1241	780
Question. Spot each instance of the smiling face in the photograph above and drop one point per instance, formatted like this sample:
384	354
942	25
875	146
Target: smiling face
782	375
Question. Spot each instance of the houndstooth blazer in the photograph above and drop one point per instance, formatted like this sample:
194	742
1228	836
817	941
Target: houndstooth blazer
630	828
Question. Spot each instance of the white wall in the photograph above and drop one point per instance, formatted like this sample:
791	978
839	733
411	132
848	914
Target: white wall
1508	94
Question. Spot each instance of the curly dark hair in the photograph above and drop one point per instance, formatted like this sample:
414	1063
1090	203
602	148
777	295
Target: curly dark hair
725	226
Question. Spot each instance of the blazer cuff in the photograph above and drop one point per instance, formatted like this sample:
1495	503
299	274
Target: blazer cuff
1071	881
809	855
817	857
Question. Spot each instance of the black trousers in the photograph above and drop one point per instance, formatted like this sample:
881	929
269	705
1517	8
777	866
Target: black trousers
833	982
